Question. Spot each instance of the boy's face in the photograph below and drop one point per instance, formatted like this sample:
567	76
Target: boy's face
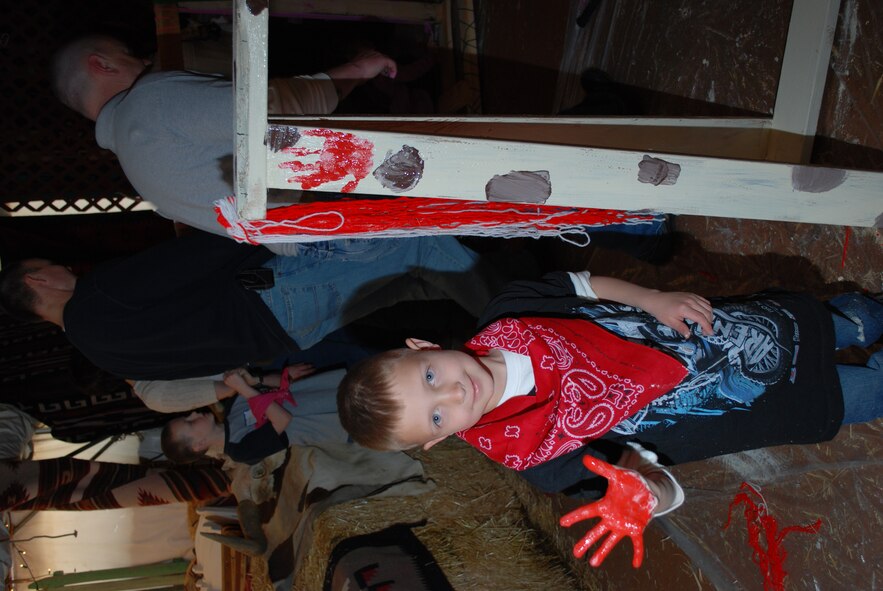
441	392
195	427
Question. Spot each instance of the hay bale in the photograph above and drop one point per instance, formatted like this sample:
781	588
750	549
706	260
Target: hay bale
475	528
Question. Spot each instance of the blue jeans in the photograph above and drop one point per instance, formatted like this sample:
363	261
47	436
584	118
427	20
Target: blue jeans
860	325
330	284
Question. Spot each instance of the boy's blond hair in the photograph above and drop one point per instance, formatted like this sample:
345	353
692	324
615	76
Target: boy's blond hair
369	409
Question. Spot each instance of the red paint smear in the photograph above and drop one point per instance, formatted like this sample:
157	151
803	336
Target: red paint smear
845	247
377	215
342	155
758	522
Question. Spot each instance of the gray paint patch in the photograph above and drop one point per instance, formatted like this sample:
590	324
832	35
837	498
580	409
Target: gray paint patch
657	171
520	186
280	137
401	171
255	7
812	179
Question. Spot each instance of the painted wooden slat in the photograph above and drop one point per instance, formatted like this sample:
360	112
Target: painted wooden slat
335	160
802	78
250	26
740	138
176	566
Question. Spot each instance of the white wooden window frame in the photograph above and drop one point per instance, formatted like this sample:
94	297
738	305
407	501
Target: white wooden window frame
744	168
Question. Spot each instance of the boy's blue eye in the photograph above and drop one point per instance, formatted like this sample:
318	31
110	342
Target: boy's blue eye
436	418
430	375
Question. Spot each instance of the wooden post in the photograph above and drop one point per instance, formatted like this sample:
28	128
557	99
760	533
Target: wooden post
802	79
250	26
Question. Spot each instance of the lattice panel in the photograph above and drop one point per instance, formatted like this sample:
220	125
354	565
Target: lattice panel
48	154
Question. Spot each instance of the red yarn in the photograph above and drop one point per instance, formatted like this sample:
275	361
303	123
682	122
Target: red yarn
409	216
771	559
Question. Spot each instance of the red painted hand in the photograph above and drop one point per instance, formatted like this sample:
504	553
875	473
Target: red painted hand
624	511
343	156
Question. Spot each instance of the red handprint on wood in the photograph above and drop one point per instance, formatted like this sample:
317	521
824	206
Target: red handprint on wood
342	155
759	522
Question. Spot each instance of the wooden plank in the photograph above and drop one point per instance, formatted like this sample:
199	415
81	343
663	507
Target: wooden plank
740	138
177	566
333	160
250	26
802	79
157	582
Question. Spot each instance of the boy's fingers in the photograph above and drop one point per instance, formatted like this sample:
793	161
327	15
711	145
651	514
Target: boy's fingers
699	318
599	467
580	514
605	549
581	547
680	326
638	554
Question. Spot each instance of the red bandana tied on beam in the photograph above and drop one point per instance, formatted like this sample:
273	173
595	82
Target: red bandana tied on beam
587	381
409	216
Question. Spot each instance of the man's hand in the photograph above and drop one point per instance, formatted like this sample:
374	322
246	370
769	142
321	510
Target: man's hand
624	511
366	66
239	380
672	308
297	371
369	64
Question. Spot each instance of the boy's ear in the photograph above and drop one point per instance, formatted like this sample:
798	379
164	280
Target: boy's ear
431	443
420	344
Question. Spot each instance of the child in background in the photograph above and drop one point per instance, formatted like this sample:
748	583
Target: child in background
260	424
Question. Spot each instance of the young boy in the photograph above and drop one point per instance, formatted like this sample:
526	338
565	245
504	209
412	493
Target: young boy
560	369
260	424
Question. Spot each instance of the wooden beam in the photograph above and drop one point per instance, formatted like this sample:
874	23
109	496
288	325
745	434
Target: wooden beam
459	168
802	79
250	26
740	138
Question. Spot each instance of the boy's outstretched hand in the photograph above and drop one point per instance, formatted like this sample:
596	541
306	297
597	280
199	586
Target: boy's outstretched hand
625	510
672	308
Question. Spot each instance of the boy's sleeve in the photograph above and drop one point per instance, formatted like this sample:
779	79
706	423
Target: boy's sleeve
554	295
582	285
257	445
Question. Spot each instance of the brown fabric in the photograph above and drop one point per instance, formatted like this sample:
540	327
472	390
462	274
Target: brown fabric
77	485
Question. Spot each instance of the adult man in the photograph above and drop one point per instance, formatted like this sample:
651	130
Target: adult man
173	131
201	304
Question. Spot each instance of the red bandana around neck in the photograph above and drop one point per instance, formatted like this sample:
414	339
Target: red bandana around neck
587	381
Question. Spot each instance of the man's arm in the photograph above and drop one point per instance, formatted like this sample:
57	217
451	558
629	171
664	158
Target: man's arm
180	395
